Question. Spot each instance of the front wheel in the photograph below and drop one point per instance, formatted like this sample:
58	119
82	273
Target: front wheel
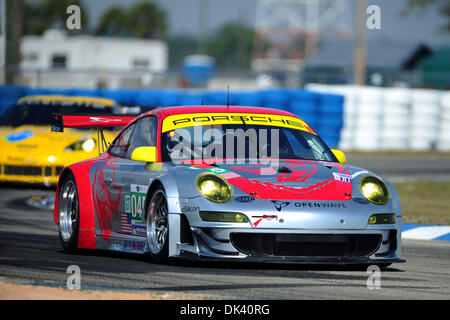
69	214
158	227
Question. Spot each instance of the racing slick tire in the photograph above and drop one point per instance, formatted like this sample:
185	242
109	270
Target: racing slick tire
69	214
158	226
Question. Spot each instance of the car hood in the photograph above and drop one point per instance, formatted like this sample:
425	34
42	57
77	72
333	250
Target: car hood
287	179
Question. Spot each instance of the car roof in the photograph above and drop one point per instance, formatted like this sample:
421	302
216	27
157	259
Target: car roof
168	111
75	99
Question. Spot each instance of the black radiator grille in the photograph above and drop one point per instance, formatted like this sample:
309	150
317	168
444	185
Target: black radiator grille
30	170
22	170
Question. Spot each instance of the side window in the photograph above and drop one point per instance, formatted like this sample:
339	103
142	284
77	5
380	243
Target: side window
121	145
144	135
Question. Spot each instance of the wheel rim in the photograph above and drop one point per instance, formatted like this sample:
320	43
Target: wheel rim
157	224
68	210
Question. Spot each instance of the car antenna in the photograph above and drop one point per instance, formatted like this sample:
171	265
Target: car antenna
202	102
228	98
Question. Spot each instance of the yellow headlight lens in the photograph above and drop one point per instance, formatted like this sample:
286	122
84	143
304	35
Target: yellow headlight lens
82	145
374	189
213	187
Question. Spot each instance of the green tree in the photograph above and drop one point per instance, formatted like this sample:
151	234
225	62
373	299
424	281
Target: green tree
40	16
146	20
142	20
232	46
443	7
112	22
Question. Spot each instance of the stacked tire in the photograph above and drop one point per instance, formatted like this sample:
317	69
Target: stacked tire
395	119
368	120
443	140
424	121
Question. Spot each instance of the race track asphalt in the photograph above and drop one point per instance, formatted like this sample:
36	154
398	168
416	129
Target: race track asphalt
30	253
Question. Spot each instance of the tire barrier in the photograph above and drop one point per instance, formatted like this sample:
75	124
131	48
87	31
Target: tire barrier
392	118
323	112
443	140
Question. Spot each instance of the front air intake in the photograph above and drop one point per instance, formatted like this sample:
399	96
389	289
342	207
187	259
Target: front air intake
306	245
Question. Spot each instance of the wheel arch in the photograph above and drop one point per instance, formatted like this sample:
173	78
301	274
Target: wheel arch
86	235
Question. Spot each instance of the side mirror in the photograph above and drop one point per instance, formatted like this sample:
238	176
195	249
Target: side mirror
145	154
339	155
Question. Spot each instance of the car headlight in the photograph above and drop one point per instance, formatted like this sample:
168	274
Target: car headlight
87	145
374	189
213	187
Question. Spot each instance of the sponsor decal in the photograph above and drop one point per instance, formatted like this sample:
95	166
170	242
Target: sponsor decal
217	170
19	136
319	205
263	217
342	177
189	120
361	200
244	199
140	229
129	246
190	209
280	204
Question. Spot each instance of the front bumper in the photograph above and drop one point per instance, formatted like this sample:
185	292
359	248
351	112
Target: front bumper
46	174
369	246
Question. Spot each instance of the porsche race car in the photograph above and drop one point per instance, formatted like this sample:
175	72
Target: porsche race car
225	183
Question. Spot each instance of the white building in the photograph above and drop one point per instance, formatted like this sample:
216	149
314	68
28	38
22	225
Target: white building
57	60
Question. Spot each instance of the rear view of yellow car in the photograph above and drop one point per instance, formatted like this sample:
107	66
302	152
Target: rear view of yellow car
31	153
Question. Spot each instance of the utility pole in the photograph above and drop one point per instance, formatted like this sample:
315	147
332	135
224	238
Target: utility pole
13	30
359	56
203	25
3	41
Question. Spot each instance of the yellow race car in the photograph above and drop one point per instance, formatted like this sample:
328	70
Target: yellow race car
31	153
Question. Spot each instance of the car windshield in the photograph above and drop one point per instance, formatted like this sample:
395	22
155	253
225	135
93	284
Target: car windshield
40	112
242	141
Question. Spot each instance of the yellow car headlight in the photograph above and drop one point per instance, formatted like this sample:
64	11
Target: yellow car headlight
213	187
83	145
374	189
88	145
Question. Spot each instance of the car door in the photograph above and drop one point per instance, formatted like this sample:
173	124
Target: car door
133	179
106	185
